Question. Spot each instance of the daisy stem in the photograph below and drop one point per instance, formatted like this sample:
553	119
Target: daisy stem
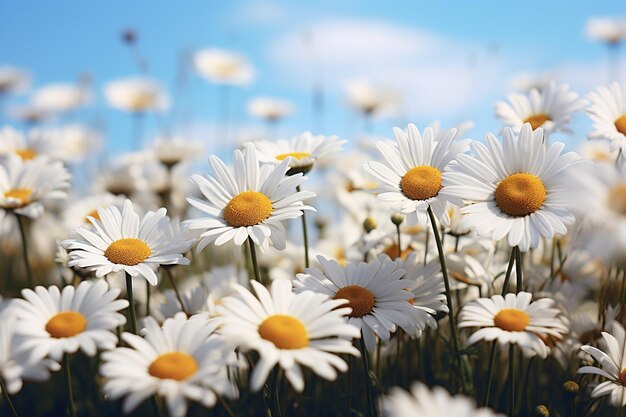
131	302
492	361
255	263
426	247
305	236
509	269
446	281
7	398
170	276
29	273
399	241
68	385
518	270
367	380
155	406
147	298
511	380
276	394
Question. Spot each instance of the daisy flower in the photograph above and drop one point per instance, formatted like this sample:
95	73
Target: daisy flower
302	151
551	108
427	287
78	212
370	99
424	402
16	362
27	186
125	242
61	97
608	114
34	143
181	361
375	291
519	189
289	329
514	319
54	322
13	80
612	360
269	109
171	152
247	202
606	29
411	175
136	95
223	67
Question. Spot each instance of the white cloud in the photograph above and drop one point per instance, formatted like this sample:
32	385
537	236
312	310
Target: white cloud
433	72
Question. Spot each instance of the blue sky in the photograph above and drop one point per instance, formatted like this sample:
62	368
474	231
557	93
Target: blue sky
452	60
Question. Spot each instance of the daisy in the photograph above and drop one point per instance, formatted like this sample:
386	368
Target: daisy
606	29
135	95
16	362
77	214
427	287
425	402
370	99
124	242
28	146
27	186
514	320
302	151
247	202
223	67
61	97
612	362
412	172
269	109
518	188
608	114
171	152
551	109
181	361
12	80
289	329
54	322
375	291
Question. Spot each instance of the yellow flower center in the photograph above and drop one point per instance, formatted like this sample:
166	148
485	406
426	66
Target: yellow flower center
421	183
537	120
129	251
173	365
617	199
296	155
141	101
247	209
66	324
361	300
520	194
622	377
285	332
26	154
22	194
93	213
511	320
620	124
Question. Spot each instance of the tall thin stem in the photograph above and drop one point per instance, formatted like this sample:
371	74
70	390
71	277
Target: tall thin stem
511	380
7	398
492	361
170	276
446	281
518	270
367	380
305	235
131	302
509	269
255	263
68	385
29	273
399	241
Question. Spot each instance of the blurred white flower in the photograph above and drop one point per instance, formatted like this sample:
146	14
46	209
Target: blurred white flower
61	98
372	99
606	29
136	95
269	109
223	67
12	80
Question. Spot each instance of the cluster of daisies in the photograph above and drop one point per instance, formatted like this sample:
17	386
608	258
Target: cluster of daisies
475	274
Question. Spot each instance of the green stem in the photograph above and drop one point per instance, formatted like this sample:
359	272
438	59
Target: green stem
305	235
7	398
68	385
518	270
446	281
29	273
511	380
492	361
170	276
426	244
276	394
255	263
367	380
147	298
155	406
509	269
399	241
131	302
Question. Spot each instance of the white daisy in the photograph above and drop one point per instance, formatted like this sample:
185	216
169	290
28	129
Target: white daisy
34	143
551	108
55	322
608	114
519	189
302	151
136	95
247	202
181	361
61	97
370	99
289	329
411	174
27	186
16	363
612	360
610	30
269	109
375	291
78	212
424	402
124	242
514	319
171	152
427	287
223	67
